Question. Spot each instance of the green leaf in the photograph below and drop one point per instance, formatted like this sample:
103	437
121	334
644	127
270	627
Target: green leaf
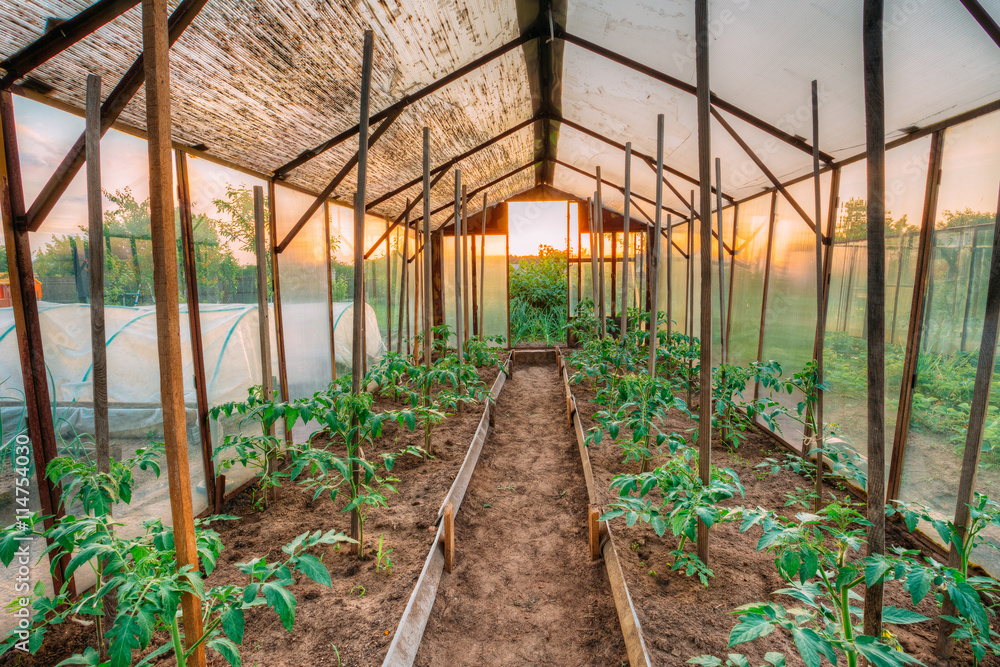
898	616
282	601
875	570
750	627
227	649
313	568
738	660
233	623
967	602
879	655
811	646
89	657
705	661
774	658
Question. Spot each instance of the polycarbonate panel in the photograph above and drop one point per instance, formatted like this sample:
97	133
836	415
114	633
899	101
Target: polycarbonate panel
222	207
960	259
495	287
771	78
61	266
748	278
377	272
845	348
303	281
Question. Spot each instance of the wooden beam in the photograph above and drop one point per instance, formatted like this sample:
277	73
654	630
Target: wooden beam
820	301
715	100
61	37
321	198
599	205
875	312
654	260
984	19
464	256
113	106
194	321
458	261
156	62
648	159
482	271
702	39
24	303
476	191
763	167
405	102
767	281
620	188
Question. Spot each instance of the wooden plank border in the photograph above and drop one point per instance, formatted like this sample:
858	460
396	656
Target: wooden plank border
410	630
635	645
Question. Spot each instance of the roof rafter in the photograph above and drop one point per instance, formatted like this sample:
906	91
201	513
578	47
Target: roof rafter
472	193
406	101
743	115
61	37
642	156
984	19
113	106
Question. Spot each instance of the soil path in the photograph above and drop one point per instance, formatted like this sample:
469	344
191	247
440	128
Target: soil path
524	590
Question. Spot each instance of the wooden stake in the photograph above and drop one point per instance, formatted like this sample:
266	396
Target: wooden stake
404	294
263	311
623	327
599	204
156	58
457	228
465	264
476	281
426	284
357	345
194	323
875	317
331	322
820	302
705	177
95	243
449	537
482	273
654	256
594	525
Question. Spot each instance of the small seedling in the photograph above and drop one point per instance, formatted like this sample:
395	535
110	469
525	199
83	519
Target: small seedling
383	562
357	588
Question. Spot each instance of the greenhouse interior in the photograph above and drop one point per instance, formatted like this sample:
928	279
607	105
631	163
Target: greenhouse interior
694	304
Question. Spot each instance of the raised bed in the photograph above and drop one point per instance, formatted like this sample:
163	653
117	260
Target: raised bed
351	623
676	617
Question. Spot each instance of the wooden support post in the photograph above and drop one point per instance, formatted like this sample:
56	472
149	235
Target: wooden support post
614	276
594	526
329	292
263	312
482	273
722	262
357	342
920	302
457	228
654	261
388	284
427	245
767	281
194	322
705	177
510	343
465	264
820	302
95	243
279	329
875	317
404	286
623	327
156	58
592	208
448	520
473	256
24	301
569	253
599	205
579	254
974	434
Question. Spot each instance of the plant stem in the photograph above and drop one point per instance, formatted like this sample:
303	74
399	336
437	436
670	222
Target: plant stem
175	635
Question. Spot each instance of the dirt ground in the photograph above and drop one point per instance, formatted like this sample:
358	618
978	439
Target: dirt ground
524	590
357	617
680	618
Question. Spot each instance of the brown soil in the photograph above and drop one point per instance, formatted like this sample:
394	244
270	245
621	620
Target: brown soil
359	614
524	590
680	618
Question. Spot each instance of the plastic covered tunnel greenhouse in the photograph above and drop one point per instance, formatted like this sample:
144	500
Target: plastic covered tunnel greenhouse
283	262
